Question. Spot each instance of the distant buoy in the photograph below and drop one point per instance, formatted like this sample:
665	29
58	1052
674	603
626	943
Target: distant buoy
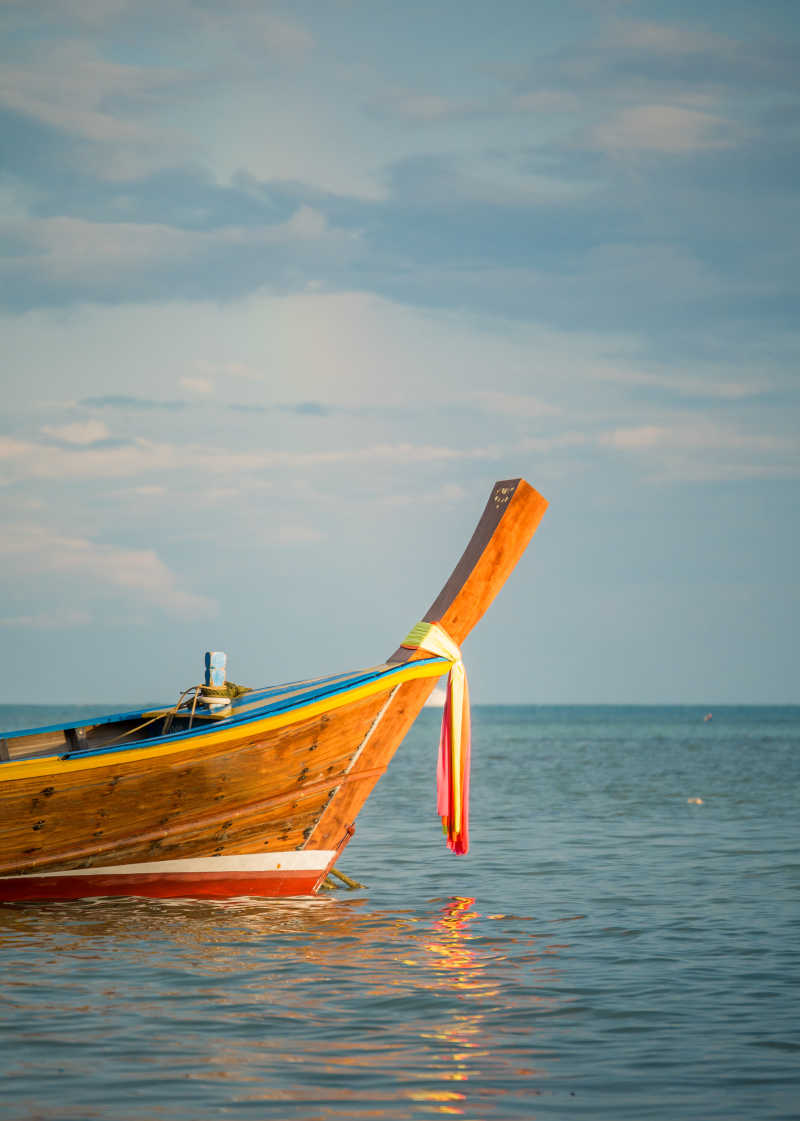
695	801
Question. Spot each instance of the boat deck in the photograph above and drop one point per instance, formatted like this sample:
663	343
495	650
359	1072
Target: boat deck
125	730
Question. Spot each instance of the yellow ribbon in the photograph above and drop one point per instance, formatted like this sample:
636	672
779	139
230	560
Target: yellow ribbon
436	640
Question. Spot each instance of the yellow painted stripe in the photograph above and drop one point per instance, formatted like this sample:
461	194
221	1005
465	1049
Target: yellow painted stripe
53	765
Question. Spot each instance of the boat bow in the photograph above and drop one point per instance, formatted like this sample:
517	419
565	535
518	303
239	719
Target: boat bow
261	802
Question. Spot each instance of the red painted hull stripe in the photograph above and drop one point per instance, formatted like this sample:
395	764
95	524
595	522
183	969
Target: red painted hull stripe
272	884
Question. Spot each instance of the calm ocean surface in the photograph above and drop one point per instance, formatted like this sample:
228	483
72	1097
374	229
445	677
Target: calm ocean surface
606	950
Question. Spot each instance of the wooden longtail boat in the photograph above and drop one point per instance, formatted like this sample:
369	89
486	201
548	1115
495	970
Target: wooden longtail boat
256	795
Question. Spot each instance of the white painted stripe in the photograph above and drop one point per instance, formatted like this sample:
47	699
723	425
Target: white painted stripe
303	861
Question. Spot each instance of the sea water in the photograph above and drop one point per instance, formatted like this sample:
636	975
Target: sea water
622	941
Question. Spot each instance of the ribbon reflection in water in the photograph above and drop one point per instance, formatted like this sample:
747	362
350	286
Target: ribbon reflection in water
300	1006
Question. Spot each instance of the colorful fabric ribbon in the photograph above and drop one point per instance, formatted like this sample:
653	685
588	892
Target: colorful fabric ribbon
452	786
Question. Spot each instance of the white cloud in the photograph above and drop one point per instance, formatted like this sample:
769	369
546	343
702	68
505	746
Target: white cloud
13	449
125	260
26	460
693	449
683	446
307	224
67	86
227	369
711	383
445	495
545	101
545	445
94	568
432	108
76	85
49	620
203	386
691	433
81	432
423	107
112	105
520	405
150	490
239	34
663	38
298	535
645	436
668	129
74	250
395	374
282	35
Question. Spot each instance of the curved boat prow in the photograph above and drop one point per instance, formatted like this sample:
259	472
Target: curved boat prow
508	522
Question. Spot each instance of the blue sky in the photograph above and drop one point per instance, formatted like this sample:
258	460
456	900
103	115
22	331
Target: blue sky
285	287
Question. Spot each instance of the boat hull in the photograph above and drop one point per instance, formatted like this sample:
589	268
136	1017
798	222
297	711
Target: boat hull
271	877
256	795
262	802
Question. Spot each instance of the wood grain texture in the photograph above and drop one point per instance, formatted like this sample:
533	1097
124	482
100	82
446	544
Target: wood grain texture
23	747
241	797
340	814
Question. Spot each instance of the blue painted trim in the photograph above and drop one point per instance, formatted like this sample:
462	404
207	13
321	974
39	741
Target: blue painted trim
111	718
272	690
135	714
316	693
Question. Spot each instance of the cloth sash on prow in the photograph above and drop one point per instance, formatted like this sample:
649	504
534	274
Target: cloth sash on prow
452	786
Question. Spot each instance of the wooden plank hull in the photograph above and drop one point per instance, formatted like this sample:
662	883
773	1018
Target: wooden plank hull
261	804
100	826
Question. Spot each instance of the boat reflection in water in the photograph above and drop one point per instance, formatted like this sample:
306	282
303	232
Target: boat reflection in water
317	1007
469	965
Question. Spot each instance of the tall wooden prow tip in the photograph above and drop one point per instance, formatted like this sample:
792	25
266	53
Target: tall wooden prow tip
509	521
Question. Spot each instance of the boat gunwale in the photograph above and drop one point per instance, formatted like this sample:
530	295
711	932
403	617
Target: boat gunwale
264	718
159	710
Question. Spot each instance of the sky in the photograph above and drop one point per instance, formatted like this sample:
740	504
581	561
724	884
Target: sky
284	289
